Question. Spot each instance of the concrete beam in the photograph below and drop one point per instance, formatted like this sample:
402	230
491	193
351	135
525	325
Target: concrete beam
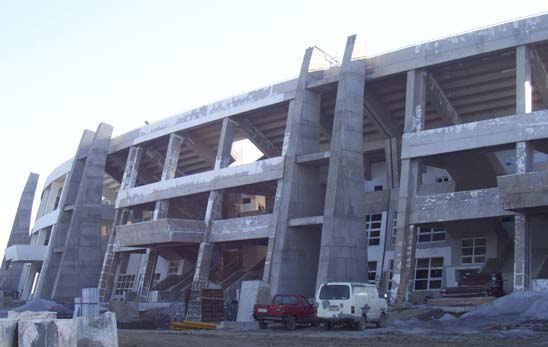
305	221
260	171
380	115
258	138
161	231
440	102
470	204
244	228
539	75
491	39
526	191
473	135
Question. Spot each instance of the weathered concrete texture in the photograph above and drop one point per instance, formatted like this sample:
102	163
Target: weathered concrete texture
99	331
261	171
77	232
214	209
252	292
160	232
47	333
473	204
343	252
524	164
32	315
8	332
415	108
19	234
294	253
485	133
524	191
244	228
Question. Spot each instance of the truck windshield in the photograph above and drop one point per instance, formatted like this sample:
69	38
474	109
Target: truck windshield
285	300
335	292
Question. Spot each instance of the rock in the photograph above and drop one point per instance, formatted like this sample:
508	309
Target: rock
98	331
50	333
8	332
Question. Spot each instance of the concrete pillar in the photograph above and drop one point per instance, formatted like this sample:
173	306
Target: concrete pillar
343	252
524	164
74	258
404	256
110	261
214	209
168	172
11	273
292	253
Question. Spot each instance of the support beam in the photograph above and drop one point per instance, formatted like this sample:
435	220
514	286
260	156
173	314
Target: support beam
110	261
404	257
380	115
539	75
168	172
11	273
200	149
440	102
292	256
524	164
258	138
343	248
214	207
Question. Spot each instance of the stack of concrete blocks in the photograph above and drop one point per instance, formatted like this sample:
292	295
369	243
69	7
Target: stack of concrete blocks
252	292
30	329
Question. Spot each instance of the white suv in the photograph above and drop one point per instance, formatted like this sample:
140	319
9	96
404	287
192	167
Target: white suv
354	304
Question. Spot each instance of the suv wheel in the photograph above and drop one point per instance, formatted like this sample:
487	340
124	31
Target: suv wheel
263	325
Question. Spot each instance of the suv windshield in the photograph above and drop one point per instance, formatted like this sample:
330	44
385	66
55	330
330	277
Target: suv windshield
335	292
285	300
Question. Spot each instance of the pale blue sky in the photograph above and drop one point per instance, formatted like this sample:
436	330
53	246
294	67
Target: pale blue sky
67	65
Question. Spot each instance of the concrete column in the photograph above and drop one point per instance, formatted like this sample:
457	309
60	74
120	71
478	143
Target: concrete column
11	273
292	253
214	209
524	164
111	259
343	253
168	172
75	254
148	264
404	256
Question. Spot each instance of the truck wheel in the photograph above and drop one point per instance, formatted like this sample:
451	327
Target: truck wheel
263	325
382	321
360	325
291	323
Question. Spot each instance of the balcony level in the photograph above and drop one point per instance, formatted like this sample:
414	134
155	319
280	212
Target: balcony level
524	192
26	253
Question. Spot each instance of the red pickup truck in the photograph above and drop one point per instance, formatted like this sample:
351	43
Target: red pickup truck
287	309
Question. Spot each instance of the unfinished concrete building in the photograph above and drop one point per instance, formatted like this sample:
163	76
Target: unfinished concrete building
405	169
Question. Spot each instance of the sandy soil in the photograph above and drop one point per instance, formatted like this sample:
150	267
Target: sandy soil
317	337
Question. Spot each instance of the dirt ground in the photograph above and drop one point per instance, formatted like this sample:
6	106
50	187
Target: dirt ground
317	337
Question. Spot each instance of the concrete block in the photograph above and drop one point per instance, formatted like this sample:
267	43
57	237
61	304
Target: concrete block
32	315
98	331
47	333
8	332
252	292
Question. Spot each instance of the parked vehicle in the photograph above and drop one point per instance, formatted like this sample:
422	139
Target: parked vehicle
354	304
289	310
